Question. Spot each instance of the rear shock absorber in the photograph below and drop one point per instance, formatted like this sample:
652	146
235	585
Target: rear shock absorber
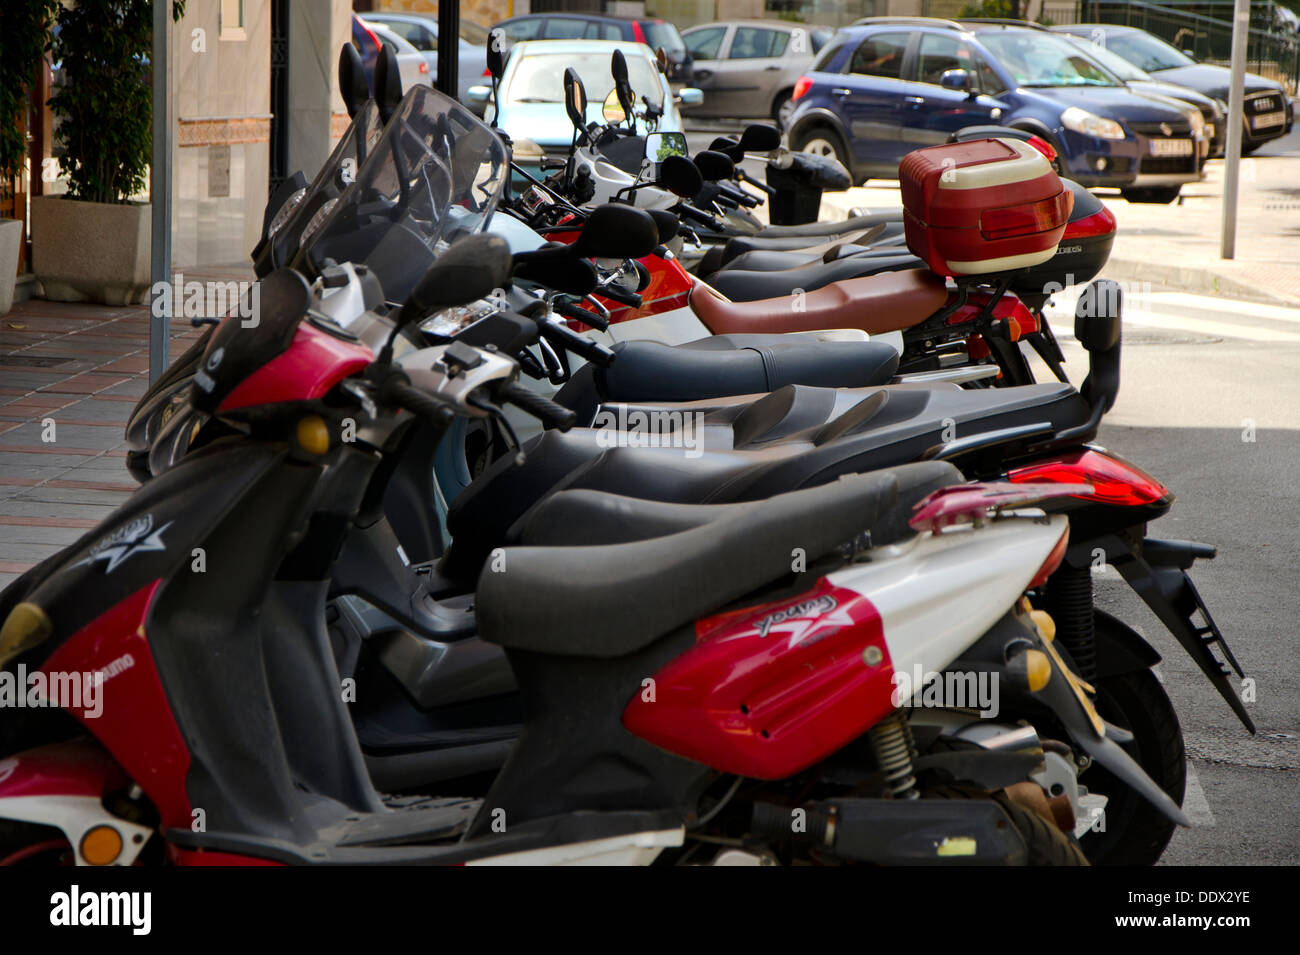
891	741
1069	601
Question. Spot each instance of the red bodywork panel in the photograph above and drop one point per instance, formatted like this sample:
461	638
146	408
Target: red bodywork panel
76	768
135	723
769	690
314	362
1101	222
670	284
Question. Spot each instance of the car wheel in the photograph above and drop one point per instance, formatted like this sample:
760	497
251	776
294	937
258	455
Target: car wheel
783	108
822	141
1159	195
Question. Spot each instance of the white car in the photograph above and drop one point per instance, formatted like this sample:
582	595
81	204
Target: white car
422	33
411	64
532	89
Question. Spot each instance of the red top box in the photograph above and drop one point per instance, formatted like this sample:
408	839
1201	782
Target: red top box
988	205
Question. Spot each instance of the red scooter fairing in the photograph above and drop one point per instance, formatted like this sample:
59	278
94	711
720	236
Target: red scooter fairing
769	689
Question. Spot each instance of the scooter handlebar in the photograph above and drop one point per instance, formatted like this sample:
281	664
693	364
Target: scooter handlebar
552	415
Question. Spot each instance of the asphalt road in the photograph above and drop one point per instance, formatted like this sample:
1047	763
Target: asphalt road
1210	404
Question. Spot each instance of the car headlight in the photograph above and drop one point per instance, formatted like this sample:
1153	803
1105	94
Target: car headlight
1090	124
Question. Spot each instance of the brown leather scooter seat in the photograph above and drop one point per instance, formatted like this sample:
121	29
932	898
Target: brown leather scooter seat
874	303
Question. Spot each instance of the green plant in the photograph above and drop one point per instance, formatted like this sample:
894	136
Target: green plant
24	32
103	48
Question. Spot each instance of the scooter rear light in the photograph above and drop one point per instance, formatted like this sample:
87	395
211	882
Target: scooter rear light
1028	219
1043	146
1053	560
1113	479
801	86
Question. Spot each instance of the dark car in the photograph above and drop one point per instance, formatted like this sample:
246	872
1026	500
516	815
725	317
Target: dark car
653	32
1268	110
886	86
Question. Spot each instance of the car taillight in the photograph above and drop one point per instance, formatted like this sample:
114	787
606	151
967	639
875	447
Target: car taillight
1043	146
486	71
1041	216
423	67
802	85
1113	479
1053	560
638	34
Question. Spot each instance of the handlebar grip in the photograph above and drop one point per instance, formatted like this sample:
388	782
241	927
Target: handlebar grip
401	393
552	415
688	211
585	315
571	340
738	195
745	177
616	294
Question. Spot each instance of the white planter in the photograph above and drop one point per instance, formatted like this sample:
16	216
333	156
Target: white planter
91	251
11	238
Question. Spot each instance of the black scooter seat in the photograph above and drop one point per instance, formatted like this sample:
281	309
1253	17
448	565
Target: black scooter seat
647	371
591	601
741	285
742	450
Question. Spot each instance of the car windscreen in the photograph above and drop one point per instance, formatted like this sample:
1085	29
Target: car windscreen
1043	59
661	33
434	175
539	77
1121	67
1147	52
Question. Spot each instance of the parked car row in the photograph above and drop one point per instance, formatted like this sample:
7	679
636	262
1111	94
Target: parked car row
1119	106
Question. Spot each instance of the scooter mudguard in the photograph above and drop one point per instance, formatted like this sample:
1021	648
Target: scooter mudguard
63	785
1158	575
1028	664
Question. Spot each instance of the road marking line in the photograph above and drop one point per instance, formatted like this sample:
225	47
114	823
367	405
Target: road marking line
1195	805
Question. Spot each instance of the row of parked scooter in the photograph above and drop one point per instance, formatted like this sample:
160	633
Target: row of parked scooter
486	532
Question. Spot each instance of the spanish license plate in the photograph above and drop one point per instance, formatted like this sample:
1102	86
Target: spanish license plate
1265	120
1171	147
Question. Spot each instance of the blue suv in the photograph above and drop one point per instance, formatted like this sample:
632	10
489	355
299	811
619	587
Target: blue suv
886	86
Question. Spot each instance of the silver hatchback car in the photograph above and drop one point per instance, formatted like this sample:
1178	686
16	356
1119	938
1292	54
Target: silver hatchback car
748	69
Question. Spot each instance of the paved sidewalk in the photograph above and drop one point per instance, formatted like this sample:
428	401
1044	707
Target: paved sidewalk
69	377
1178	245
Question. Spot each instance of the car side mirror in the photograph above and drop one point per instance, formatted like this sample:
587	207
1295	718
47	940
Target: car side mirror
575	100
661	60
470	269
690	96
353	86
957	80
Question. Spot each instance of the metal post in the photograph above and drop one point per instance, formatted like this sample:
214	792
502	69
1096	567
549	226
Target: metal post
160	182
1236	127
449	47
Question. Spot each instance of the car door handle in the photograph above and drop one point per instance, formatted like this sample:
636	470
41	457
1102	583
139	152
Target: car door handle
770	69
841	91
914	100
703	74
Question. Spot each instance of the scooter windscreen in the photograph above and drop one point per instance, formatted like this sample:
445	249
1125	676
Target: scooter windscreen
434	176
284	236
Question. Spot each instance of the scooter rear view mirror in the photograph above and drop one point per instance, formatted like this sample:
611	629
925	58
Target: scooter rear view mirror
558	269
496	54
353	86
622	89
659	146
575	100
617	231
714	166
759	138
471	269
681	177
388	82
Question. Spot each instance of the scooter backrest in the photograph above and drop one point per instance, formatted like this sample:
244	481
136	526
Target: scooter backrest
714	165
759	138
352	79
388	82
575	100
